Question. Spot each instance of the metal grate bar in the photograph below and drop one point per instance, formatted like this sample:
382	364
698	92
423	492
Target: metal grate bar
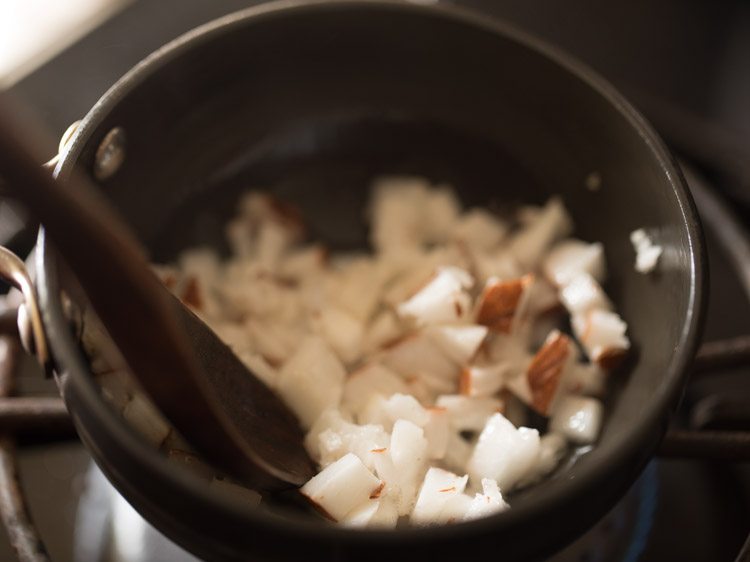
13	511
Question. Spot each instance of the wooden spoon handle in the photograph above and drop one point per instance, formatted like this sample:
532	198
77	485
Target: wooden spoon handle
131	303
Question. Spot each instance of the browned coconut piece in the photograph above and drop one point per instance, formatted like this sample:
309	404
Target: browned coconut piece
546	370
500	301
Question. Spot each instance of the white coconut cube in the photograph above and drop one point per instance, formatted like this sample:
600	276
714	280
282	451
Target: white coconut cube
647	253
437	431
332	436
368	381
341	486
303	264
490	501
312	380
386	411
359	287
441	213
384	329
588	379
398	213
408	453
360	516
552	449
479	229
602	335
466	413
532	241
543	297
482	380
141	414
273	239
500	264
460	343
365	441
504	453
570	258
269	340
582	294
386	517
330	419
578	418
437	490
341	331
443	300
416	354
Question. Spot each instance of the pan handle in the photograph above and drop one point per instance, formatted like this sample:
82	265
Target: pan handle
13	271
28	317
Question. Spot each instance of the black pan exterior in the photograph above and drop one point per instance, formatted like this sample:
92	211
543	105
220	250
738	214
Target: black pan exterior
312	100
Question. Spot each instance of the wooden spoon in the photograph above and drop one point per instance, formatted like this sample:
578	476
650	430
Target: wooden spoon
213	400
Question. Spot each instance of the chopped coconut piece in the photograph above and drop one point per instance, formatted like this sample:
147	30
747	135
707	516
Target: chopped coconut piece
582	293
504	453
384	329
442	212
341	487
386	516
437	432
488	502
500	302
367	381
342	331
419	354
440	373
443	300
468	413
552	449
551	224
386	411
361	515
438	488
480	229
312	380
573	257
482	381
578	418
546	370
408	453
602	334
460	343
647	253
499	264
588	379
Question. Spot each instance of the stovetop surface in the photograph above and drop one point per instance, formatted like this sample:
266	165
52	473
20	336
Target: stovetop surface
692	55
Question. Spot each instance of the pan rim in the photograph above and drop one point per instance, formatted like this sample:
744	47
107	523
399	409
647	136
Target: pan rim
676	373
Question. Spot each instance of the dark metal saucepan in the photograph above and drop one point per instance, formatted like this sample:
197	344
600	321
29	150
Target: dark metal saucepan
312	100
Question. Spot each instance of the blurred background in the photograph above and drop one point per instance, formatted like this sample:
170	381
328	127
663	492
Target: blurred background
684	63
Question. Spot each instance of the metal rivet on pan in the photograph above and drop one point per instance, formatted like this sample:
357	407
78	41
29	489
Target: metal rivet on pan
110	155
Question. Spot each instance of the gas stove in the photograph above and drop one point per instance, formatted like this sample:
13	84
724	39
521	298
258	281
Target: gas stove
683	64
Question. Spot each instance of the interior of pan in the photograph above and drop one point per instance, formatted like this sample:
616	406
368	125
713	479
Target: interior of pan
313	103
